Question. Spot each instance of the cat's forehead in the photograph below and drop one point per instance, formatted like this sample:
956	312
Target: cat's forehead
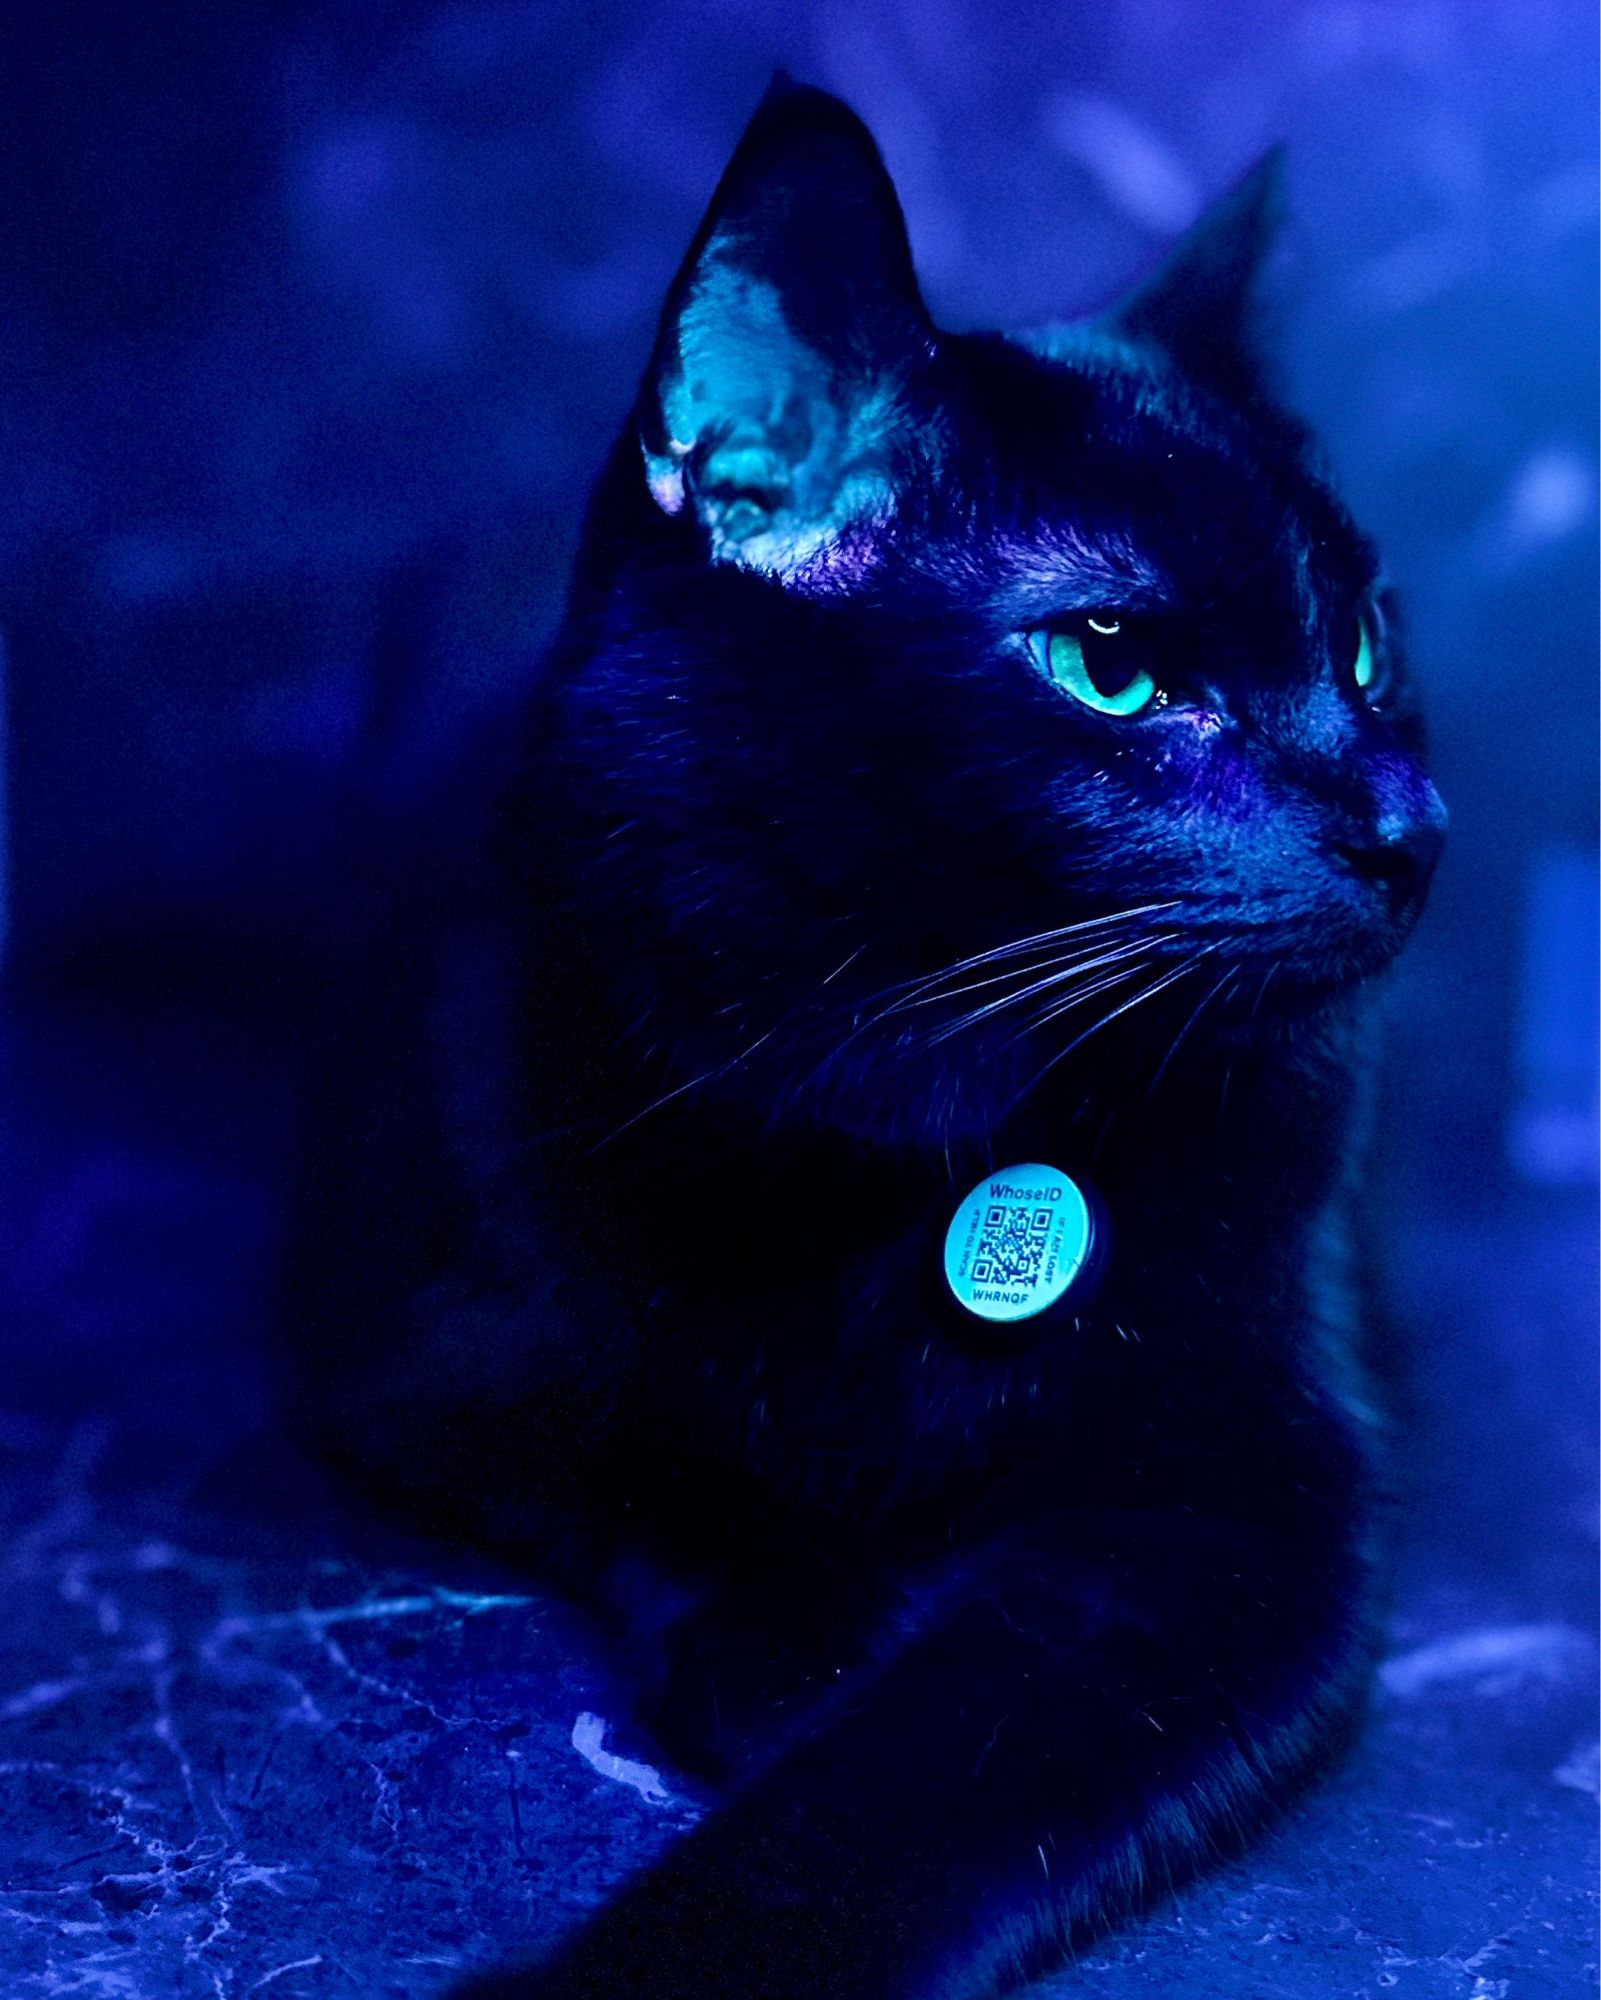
1108	476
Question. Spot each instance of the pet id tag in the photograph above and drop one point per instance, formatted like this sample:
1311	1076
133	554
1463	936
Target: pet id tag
1026	1239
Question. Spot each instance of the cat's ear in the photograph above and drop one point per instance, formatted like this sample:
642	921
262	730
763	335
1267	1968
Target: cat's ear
769	406
1201	306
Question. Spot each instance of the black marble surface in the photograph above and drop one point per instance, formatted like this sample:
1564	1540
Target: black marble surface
253	1740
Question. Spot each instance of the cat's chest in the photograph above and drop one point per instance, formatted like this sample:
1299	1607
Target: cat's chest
825	1353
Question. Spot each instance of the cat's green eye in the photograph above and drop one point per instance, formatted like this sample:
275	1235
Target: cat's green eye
1363	671
1092	662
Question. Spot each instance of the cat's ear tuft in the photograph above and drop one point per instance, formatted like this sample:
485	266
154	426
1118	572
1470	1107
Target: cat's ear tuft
1200	308
769	406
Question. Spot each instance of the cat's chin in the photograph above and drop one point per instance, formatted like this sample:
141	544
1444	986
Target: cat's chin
1299	994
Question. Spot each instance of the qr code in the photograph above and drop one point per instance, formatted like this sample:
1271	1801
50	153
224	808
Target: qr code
1012	1246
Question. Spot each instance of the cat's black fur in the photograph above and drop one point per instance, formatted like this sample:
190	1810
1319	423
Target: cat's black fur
621	1244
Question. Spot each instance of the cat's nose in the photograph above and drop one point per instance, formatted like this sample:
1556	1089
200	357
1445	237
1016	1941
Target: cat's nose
1398	854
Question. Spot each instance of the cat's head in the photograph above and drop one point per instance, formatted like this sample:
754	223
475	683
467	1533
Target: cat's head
900	648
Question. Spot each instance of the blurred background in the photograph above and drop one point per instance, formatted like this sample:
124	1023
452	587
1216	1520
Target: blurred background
316	318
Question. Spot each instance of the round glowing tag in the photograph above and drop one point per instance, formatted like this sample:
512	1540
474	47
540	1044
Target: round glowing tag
1018	1243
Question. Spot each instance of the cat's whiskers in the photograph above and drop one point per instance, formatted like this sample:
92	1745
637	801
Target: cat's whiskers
1268	978
931	987
1055	981
733	1061
1230	974
1097	945
1064	1004
1147	992
906	990
1069	961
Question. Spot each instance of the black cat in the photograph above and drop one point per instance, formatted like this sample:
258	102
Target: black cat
961	751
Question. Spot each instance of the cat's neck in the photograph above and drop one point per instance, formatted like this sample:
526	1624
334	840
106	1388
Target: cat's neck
1252	1138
